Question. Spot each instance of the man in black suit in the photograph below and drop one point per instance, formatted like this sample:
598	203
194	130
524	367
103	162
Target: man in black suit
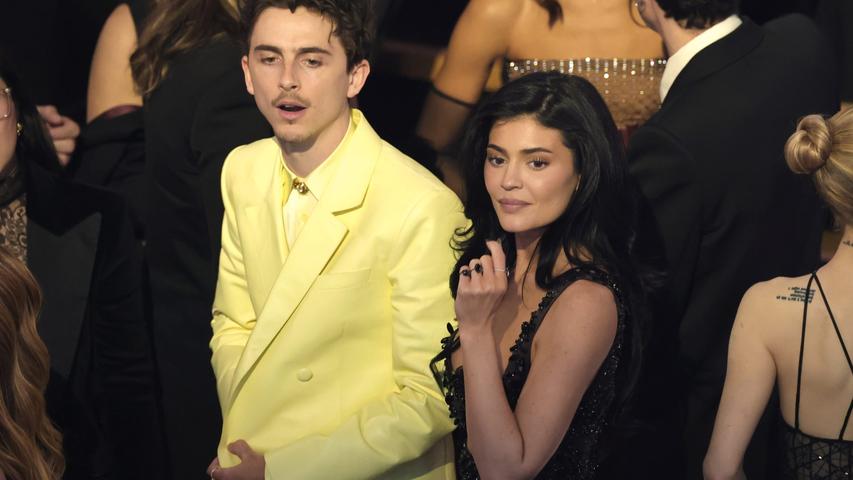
722	210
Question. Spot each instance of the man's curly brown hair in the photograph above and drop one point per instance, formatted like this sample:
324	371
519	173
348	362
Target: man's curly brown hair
352	21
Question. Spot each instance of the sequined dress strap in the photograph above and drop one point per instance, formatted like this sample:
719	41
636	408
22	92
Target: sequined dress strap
816	280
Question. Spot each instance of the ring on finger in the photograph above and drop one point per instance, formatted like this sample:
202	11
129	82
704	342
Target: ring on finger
465	272
478	267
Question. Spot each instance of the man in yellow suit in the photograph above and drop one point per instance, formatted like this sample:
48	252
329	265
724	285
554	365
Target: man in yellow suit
332	294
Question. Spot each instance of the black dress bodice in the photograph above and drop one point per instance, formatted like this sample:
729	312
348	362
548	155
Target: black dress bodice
579	453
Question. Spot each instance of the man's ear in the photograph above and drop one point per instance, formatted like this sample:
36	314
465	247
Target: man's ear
357	77
244	62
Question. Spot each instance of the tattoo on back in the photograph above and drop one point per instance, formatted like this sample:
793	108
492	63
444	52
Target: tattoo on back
797	294
849	243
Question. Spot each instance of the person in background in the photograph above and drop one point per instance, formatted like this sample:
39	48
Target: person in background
31	447
794	333
601	41
720	210
63	132
77	241
331	297
549	338
179	62
835	17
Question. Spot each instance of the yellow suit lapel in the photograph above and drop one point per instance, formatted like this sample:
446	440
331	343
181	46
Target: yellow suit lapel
317	243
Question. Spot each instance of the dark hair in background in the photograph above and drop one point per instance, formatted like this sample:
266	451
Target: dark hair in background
352	21
597	227
555	11
34	144
698	13
173	28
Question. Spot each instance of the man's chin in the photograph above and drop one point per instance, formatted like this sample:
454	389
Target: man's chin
291	137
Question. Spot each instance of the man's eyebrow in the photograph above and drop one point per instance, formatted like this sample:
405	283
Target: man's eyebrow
267	48
313	50
301	51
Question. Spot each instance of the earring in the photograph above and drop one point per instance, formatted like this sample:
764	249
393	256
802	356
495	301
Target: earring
19	128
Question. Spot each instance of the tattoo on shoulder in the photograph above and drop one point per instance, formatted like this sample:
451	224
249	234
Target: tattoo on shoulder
849	243
797	294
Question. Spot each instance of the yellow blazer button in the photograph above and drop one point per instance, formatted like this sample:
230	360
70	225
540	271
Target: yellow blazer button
303	375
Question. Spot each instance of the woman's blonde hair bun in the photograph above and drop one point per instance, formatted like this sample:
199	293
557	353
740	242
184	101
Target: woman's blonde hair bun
808	149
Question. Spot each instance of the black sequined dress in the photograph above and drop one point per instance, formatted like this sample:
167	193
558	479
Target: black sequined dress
578	456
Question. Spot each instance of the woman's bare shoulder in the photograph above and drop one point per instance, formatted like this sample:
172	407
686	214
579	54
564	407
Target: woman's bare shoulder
778	292
495	10
770	302
110	79
119	27
586	306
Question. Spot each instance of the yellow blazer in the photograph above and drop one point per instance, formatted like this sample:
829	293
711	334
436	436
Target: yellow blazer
322	353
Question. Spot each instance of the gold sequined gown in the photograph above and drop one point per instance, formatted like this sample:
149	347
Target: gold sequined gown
630	87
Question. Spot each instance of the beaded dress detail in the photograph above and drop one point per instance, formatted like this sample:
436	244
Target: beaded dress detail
13	212
630	87
808	457
577	456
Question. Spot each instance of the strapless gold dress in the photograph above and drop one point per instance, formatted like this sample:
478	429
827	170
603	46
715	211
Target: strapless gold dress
630	87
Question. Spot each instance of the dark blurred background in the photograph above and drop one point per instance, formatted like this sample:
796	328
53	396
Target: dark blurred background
51	43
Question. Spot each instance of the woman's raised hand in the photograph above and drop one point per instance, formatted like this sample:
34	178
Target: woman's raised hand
482	285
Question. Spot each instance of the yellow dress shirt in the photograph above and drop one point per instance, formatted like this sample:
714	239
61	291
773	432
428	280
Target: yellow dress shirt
299	205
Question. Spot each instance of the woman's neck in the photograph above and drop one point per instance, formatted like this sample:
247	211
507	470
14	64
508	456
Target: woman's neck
838	268
843	257
525	250
527	253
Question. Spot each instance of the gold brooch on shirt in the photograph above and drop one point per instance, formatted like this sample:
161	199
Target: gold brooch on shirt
300	186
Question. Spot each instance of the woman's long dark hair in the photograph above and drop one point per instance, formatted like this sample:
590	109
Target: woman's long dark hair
173	28
597	227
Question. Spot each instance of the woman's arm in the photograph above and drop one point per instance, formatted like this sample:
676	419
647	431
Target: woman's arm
110	80
750	378
479	38
517	445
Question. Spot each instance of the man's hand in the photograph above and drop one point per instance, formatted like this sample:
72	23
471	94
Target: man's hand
251	467
63	132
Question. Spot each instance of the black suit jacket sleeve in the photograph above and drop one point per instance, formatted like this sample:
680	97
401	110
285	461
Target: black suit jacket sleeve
670	212
123	368
111	154
226	117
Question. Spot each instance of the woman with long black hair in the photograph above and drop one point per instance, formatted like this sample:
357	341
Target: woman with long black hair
548	298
